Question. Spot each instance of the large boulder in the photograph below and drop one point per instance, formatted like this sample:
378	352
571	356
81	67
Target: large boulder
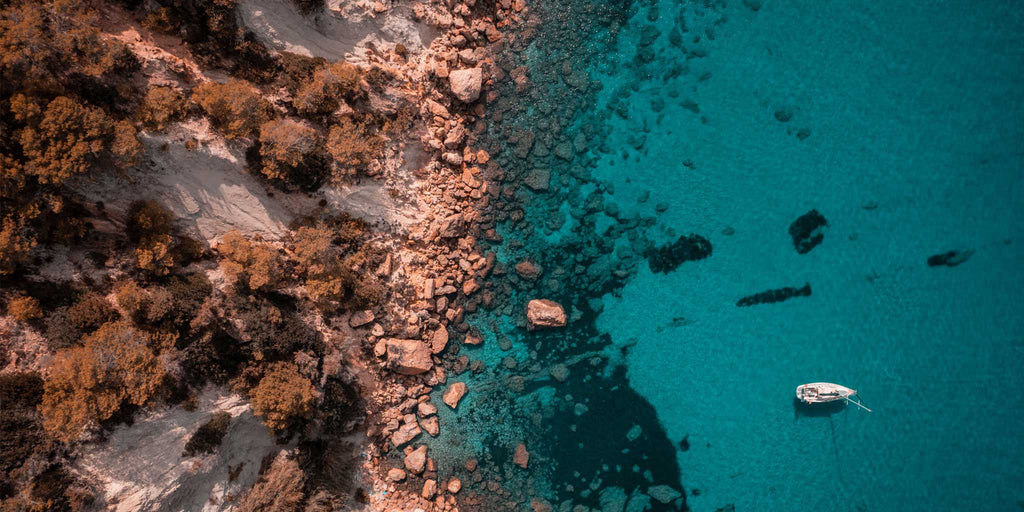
408	357
545	313
466	83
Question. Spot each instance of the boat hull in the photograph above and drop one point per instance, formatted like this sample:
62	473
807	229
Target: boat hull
823	392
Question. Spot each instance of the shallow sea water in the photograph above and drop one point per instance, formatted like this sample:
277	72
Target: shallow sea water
915	116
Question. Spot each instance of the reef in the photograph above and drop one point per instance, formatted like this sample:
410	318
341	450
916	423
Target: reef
774	295
687	248
807	231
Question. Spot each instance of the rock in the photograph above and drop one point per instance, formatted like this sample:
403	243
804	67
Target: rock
663	493
416	460
545	313
407	432
687	248
454	485
429	489
634	432
638	502
559	372
470	286
521	457
466	83
396	475
950	258
439	340
452	226
408	357
529	270
454	394
539	179
540	505
806	231
360	318
425	409
612	499
471	464
473	337
564	151
431	425
776	295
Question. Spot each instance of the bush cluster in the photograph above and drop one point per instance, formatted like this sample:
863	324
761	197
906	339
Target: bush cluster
255	266
235	108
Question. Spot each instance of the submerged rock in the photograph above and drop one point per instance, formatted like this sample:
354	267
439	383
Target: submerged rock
949	258
529	270
663	493
521	457
687	248
775	295
807	231
408	357
545	313
466	83
454	394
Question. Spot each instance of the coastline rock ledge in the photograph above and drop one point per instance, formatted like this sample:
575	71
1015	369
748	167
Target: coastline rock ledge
544	313
408	357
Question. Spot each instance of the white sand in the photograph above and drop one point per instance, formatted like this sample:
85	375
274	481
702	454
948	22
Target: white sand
140	467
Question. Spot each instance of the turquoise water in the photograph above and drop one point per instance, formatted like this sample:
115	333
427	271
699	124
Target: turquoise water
911	124
901	122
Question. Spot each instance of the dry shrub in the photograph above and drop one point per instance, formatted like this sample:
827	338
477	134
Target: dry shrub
297	70
330	84
92	311
144	305
162	106
352	146
283	396
21	433
24	309
126	147
279	488
16	242
88	384
235	108
61	331
253	265
292	153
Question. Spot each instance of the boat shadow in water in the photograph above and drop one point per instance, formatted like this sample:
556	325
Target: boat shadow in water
822	410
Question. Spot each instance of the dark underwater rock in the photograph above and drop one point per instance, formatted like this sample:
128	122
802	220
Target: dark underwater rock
807	231
687	248
950	258
776	295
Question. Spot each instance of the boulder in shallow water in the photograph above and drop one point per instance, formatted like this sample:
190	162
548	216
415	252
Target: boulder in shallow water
521	457
529	270
545	313
687	248
663	493
454	394
950	258
466	83
807	231
408	357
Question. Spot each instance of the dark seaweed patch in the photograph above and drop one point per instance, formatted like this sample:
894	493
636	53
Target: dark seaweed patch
687	248
807	231
949	258
775	295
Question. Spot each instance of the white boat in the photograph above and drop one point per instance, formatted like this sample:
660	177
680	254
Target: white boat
823	392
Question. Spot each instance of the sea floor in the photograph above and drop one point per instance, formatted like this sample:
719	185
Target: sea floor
901	122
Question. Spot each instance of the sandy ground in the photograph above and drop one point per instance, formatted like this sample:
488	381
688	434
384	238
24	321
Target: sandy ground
341	31
140	467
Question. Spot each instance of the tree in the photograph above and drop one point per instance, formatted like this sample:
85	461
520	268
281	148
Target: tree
88	384
352	146
162	106
62	140
282	396
150	226
91	312
254	265
291	152
235	108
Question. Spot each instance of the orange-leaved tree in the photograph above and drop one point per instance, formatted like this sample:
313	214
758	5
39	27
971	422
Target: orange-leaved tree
89	383
282	396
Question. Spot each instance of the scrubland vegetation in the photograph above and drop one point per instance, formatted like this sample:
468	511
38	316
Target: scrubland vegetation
156	329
